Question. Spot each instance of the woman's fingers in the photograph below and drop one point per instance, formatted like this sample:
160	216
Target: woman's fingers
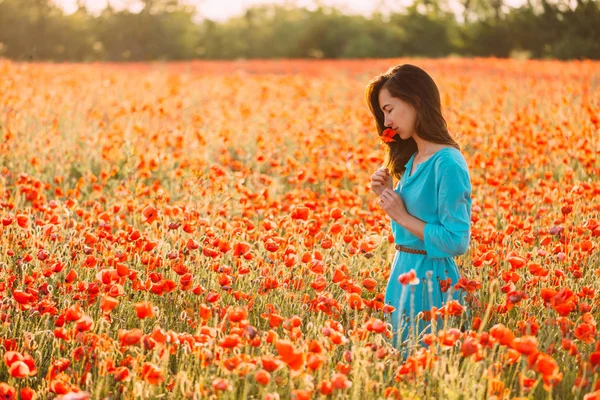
381	179
380	176
386	195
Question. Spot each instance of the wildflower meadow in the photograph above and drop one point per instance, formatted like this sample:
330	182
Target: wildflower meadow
201	229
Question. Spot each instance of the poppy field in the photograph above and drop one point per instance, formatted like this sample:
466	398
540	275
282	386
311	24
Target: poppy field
207	230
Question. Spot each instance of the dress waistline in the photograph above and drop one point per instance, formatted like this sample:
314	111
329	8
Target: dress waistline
399	247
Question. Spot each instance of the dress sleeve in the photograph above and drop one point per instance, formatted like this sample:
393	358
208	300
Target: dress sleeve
450	237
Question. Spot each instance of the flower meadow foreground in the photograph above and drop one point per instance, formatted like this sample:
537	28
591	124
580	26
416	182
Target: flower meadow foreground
206	230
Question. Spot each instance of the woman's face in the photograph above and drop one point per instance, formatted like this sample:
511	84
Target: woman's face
398	114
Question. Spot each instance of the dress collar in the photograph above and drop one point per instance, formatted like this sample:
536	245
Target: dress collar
411	160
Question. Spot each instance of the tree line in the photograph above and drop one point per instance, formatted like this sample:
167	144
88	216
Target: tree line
169	30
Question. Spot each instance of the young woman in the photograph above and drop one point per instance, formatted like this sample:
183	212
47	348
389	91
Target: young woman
430	208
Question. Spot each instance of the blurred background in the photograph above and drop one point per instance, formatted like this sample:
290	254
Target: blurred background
143	30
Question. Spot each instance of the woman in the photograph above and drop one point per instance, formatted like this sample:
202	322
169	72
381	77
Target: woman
430	208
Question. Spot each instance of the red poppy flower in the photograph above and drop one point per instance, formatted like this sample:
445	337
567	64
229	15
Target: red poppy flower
387	135
152	374
409	277
263	377
144	310
292	357
150	214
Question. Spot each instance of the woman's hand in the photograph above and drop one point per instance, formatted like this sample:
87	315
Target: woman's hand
381	180
393	205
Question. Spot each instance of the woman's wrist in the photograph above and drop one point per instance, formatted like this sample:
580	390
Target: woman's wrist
401	219
412	224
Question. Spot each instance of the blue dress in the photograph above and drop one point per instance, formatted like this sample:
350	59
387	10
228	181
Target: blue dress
438	193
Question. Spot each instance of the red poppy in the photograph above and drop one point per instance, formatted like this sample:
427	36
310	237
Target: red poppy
21	297
300	213
150	214
230	341
26	393
501	333
387	135
288	354
319	283
326	387
340	381
107	303
263	377
375	325
470	346
409	278
7	392
239	249
152	374
221	384
314	361
144	309
298	394
525	345
23	220
84	324
370	284
586	332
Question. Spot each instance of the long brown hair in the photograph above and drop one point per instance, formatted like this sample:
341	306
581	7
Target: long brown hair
414	86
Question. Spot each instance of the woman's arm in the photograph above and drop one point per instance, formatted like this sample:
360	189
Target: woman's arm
413	224
450	237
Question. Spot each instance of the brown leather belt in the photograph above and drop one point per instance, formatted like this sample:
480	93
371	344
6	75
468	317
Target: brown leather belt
399	247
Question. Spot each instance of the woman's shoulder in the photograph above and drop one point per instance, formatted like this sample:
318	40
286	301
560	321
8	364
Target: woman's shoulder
451	158
450	155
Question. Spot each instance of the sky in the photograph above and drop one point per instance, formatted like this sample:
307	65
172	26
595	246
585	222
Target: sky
220	10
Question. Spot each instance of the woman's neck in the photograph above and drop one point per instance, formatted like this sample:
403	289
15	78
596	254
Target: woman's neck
425	148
